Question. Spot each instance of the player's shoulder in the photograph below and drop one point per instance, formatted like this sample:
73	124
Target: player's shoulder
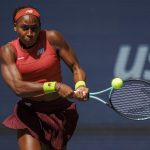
52	31
53	34
7	50
55	38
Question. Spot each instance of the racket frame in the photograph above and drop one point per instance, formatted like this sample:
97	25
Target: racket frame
109	103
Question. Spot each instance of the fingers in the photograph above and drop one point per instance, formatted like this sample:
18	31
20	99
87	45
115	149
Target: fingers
65	91
81	94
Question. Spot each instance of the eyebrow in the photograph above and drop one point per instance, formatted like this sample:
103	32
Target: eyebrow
28	25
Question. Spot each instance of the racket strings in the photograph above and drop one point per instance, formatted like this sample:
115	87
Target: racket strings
133	100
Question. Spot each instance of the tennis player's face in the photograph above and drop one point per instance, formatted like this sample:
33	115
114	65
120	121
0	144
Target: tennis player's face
28	28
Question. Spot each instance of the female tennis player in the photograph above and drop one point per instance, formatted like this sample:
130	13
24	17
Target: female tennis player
31	68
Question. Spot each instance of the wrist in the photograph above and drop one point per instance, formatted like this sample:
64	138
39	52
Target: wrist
49	87
80	83
57	86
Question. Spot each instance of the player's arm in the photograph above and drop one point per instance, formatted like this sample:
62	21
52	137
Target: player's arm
0	55
68	56
12	76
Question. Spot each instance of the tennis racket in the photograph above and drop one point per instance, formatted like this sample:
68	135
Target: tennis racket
131	101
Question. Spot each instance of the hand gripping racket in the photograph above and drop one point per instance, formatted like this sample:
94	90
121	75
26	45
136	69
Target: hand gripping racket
131	101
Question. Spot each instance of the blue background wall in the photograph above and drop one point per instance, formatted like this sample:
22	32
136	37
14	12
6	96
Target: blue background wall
110	38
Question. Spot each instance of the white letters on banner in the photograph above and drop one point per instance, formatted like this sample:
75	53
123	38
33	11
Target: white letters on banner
135	70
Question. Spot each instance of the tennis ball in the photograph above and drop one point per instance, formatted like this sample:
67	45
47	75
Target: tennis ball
117	83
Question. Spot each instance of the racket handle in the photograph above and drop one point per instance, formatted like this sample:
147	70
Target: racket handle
84	94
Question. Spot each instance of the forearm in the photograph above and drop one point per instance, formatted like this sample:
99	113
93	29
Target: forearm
14	80
81	90
26	89
78	74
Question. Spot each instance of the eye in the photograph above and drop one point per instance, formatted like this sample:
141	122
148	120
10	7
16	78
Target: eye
34	28
25	27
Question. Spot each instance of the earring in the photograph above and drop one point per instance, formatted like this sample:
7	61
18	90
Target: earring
15	29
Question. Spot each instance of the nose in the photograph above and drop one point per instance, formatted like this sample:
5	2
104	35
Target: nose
30	33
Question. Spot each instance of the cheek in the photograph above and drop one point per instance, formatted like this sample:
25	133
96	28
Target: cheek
36	35
20	33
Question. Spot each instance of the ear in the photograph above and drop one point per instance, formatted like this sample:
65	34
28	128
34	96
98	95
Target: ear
15	28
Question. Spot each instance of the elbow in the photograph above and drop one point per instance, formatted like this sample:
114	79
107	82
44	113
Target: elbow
18	92
17	89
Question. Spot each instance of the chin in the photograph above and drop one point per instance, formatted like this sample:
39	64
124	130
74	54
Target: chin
29	44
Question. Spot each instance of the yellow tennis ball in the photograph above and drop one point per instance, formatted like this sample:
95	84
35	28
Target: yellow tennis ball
117	83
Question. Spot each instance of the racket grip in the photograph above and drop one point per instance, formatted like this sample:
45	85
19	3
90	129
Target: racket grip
84	94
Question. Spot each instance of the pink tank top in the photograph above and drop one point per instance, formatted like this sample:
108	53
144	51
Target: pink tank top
40	63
